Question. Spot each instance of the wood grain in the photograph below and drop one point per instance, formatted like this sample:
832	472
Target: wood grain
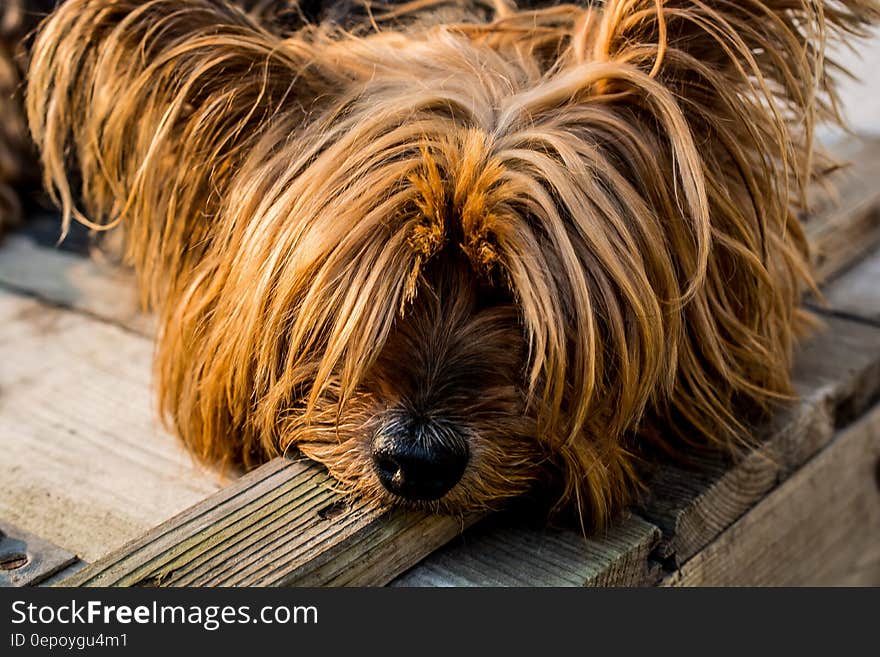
856	293
501	552
821	527
84	463
90	286
281	524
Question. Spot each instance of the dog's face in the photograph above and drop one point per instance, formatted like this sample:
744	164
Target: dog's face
431	313
413	338
440	418
451	262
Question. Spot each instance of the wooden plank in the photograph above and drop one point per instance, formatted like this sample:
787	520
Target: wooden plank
858	90
282	524
856	293
62	575
821	527
837	375
502	552
844	223
89	285
692	505
85	464
26	559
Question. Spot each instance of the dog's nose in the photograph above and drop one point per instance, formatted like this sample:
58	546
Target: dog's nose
415	465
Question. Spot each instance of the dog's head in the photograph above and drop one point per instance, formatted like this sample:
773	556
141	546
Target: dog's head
449	261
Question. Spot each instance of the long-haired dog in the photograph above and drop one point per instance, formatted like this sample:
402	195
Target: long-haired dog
452	250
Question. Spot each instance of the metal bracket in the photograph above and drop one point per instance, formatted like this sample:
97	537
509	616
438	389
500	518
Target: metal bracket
26	560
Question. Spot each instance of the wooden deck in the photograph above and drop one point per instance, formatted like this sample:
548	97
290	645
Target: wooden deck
85	464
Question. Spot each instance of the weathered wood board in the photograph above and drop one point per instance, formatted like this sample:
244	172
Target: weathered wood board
85	464
821	527
858	91
845	223
502	552
838	376
856	293
58	277
281	524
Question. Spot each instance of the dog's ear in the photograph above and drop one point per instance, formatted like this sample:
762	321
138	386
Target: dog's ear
153	107
745	74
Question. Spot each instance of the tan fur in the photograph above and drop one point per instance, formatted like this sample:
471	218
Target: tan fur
569	231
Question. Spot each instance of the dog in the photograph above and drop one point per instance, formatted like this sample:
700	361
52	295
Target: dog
452	250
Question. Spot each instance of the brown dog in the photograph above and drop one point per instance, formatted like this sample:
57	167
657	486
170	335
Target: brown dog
452	249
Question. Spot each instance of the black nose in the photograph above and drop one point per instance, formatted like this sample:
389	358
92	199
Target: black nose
419	461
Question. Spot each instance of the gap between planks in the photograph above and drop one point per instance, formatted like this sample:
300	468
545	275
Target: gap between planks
819	528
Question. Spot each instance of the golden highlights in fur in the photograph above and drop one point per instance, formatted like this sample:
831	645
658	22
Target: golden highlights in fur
535	242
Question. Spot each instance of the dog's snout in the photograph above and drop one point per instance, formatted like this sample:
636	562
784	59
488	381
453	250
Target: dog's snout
418	463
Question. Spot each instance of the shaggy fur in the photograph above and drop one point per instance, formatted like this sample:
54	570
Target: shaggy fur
16	158
562	237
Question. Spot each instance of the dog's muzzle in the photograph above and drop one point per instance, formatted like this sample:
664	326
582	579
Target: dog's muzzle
418	458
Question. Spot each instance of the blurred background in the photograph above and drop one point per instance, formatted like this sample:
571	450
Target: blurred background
861	98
